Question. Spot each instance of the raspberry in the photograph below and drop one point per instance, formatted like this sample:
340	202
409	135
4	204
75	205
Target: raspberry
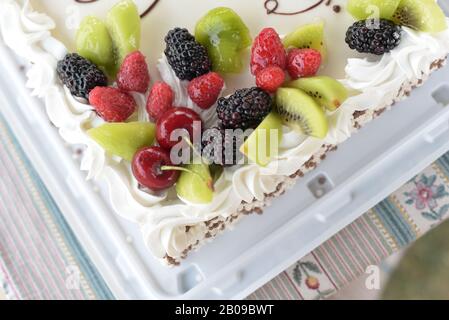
303	62
267	51
270	79
160	100
133	74
204	90
112	104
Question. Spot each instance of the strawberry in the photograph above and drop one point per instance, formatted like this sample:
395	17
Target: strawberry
267	51
205	90
160	100
133	74
112	104
303	62
270	79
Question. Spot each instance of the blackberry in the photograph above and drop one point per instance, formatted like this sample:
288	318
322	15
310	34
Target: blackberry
245	109
80	75
374	36
220	146
187	57
178	35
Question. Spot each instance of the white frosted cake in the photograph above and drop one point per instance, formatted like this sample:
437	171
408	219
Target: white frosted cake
179	207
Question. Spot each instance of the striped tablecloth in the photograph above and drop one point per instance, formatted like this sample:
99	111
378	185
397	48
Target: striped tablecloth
37	246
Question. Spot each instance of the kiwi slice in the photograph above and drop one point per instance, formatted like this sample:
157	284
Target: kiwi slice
124	139
225	36
422	15
94	43
327	91
301	112
195	184
123	22
364	9
259	147
309	36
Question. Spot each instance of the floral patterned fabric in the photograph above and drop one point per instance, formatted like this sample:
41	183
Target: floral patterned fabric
425	196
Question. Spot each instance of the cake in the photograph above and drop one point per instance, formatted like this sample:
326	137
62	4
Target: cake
275	69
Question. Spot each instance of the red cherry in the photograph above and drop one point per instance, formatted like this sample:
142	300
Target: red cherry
172	119
147	168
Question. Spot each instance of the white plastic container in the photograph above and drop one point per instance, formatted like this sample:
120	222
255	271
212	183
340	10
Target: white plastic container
365	169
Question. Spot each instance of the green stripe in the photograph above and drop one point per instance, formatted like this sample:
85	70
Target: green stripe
394	222
359	245
329	269
344	254
278	288
342	270
379	236
288	286
443	162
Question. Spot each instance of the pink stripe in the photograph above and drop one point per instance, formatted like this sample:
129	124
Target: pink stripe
324	270
330	261
365	241
257	295
41	231
12	245
281	283
340	258
349	251
267	292
29	245
11	285
264	293
47	242
355	247
293	284
362	239
379	244
274	291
